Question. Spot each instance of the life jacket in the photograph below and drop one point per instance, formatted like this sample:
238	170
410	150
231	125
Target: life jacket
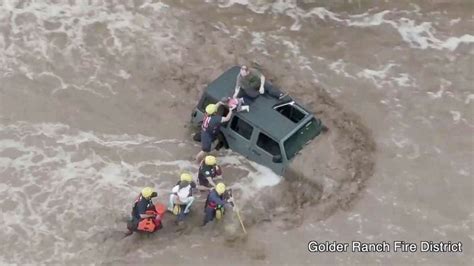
211	204
210	126
176	209
219	213
146	224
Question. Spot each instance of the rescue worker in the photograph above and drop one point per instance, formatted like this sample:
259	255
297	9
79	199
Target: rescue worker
144	215
210	128
182	195
215	203
208	171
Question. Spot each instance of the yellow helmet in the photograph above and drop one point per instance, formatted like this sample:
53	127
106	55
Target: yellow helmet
210	160
211	109
186	177
220	188
148	192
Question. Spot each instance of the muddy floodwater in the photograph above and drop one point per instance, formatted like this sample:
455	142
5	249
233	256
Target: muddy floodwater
95	104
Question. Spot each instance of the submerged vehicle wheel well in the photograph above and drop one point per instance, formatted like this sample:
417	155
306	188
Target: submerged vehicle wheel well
222	141
226	144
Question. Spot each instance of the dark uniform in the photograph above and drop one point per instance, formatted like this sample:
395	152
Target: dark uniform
206	171
209	130
214	201
141	206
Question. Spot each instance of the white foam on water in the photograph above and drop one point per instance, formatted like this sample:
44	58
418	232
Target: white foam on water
258	43
30	38
367	19
408	147
417	35
86	179
376	76
321	13
454	21
444	85
456	116
255	6
404	80
257	177
68	178
340	68
263	177
222	27
453	42
469	98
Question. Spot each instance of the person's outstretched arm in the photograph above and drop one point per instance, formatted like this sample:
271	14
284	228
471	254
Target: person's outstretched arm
237	86
209	179
262	83
227	117
216	199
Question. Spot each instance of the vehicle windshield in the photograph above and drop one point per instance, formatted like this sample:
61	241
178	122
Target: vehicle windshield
297	141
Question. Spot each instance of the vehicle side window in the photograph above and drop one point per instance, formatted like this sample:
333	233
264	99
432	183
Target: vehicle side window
268	144
241	127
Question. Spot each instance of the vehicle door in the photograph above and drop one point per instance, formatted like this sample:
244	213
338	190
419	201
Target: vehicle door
238	134
267	151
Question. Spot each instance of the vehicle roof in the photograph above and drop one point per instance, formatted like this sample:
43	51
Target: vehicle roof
261	112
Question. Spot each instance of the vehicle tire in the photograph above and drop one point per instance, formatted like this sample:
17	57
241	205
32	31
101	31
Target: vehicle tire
197	136
324	129
222	142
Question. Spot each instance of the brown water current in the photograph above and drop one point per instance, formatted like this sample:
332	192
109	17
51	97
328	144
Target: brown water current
95	103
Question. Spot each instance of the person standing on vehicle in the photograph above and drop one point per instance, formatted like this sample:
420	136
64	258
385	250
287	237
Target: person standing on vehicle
251	83
210	128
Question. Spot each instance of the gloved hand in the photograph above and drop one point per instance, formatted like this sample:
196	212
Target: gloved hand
218	171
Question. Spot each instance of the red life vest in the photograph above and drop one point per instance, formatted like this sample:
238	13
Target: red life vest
212	205
147	224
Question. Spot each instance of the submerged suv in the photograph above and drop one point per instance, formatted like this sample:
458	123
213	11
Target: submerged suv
271	134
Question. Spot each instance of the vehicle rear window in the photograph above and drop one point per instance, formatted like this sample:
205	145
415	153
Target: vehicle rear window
296	142
268	144
241	127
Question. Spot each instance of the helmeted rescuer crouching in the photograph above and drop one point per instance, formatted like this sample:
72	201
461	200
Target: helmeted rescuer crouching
144	214
182	195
